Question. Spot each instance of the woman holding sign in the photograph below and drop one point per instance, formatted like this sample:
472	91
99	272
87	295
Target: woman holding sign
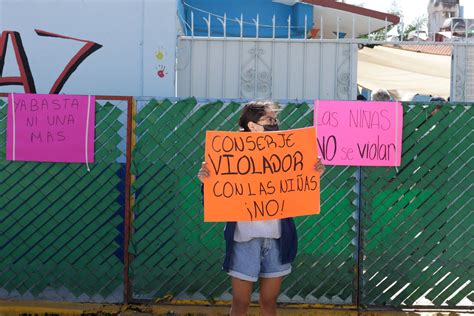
258	250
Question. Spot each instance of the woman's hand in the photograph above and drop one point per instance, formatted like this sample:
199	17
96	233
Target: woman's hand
203	172
319	167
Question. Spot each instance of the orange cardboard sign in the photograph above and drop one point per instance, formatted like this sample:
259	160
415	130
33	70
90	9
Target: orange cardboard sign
261	176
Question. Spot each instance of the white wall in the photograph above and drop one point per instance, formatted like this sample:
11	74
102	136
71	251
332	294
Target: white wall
131	32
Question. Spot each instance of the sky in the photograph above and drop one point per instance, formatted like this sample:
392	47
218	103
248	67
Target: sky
411	8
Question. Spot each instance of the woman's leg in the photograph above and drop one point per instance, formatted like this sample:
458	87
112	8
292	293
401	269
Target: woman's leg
241	291
269	291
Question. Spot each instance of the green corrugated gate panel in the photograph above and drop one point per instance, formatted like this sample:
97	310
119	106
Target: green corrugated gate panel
176	253
418	222
61	225
61	232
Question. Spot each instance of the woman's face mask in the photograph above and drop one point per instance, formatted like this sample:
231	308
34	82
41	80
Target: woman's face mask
270	127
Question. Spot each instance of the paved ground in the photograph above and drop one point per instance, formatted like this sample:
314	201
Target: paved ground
8	308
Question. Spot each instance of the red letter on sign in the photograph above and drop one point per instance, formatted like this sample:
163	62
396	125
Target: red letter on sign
82	54
25	79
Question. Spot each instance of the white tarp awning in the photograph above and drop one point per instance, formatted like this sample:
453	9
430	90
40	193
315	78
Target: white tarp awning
349	22
405	72
287	2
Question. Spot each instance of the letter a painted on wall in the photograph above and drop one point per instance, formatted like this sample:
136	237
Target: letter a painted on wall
25	78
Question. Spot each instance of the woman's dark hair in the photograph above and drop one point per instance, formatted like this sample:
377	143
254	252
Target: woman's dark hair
253	112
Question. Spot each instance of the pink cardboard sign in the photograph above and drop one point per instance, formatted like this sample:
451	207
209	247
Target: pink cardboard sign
54	128
359	133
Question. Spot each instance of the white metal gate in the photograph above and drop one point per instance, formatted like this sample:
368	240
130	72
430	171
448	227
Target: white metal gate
266	68
462	72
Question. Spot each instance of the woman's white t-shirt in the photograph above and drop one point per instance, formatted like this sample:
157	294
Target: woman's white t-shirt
245	231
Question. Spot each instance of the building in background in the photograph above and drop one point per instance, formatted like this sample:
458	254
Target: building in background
458	28
206	18
439	11
328	19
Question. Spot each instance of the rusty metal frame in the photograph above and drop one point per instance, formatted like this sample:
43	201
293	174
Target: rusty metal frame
358	271
127	285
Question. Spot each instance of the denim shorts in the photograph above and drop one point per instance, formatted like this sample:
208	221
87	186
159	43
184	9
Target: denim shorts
258	257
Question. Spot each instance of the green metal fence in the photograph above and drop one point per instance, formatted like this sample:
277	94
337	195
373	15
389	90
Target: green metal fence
385	237
418	222
62	226
176	253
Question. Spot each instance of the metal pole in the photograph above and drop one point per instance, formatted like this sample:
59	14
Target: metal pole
224	53
273	26
353	26
320	65
288	48
369	30
255	83
191	90
322	28
241	23
289	26
304	57
273	57
128	292
359	255
208	71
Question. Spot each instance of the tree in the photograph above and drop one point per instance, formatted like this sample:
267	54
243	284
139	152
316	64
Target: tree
379	35
420	23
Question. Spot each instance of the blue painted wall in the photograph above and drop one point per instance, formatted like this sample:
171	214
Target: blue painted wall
249	8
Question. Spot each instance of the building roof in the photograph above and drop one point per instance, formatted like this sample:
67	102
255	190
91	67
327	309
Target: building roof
393	19
443	50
